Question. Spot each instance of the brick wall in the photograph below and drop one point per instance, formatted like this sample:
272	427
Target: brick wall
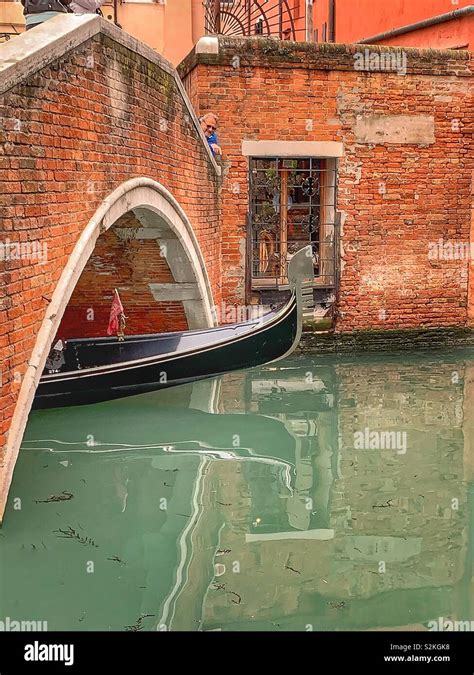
397	196
73	131
129	265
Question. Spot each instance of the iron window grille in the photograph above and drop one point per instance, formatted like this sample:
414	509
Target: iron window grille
292	204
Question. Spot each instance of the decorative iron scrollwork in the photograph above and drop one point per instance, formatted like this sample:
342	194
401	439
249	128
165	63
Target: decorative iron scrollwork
267	180
310	221
266	218
310	186
236	18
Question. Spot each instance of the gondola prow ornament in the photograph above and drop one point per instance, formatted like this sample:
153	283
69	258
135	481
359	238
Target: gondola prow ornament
301	278
117	320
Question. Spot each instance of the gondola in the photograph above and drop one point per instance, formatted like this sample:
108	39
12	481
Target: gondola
90	370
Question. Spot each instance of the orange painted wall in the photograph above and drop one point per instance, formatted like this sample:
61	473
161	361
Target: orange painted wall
168	28
458	34
364	18
145	21
11	17
172	27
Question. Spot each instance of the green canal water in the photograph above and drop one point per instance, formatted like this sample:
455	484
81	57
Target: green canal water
322	494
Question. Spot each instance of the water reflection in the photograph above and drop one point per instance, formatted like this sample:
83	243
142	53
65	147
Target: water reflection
270	499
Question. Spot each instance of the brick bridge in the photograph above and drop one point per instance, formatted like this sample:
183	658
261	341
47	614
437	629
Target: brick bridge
100	138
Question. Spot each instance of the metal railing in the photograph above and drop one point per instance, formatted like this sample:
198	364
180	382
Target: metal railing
236	18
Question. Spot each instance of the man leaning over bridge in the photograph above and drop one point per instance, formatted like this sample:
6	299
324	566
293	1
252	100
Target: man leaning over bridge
209	127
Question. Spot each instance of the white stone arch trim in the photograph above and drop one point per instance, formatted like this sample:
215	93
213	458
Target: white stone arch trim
134	193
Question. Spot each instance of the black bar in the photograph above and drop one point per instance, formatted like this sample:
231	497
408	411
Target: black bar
109	652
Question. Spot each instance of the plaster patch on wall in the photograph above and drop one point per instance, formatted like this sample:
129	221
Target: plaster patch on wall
349	105
342	220
354	169
236	272
399	129
242	250
118	90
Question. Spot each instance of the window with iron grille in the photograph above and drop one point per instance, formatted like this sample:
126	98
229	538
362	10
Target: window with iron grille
292	204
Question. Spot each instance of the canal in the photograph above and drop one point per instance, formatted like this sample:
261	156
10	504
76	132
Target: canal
320	493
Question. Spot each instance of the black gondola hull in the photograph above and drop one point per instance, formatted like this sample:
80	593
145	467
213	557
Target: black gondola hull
264	343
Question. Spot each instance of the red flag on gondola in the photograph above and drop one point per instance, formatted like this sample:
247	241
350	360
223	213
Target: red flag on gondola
116	314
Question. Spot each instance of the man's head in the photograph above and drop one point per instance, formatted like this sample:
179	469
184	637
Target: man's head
209	124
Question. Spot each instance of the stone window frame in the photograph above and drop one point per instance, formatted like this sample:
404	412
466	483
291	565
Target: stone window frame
325	154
